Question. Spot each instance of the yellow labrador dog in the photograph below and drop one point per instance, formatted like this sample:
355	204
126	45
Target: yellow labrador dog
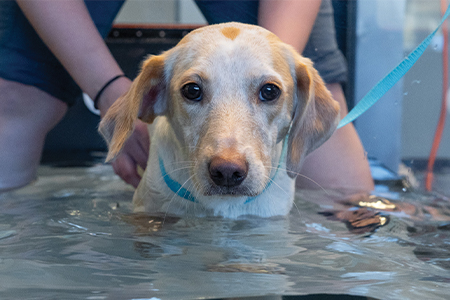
234	111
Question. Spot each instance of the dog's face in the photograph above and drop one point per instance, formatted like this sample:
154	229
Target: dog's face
230	92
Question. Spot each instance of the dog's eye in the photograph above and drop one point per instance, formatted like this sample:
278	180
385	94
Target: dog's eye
192	91
269	92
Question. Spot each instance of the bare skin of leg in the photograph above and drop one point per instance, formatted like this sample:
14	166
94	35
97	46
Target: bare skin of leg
27	114
341	162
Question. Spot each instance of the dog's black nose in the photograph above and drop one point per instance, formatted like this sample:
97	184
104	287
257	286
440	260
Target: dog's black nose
228	173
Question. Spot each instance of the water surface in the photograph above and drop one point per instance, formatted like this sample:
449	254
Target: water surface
72	235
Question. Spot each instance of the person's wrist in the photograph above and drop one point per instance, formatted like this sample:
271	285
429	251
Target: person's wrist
115	90
104	87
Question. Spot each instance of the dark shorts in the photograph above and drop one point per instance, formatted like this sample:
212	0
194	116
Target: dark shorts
24	57
322	47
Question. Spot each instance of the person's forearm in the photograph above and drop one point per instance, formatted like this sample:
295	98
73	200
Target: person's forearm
291	20
67	29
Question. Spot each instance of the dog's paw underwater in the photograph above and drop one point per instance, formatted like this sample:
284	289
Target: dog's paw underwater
233	112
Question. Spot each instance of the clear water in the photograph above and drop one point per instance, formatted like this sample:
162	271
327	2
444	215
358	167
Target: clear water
71	235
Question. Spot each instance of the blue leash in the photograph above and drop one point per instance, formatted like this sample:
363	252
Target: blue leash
390	79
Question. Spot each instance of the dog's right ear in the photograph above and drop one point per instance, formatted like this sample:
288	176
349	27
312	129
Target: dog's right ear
144	100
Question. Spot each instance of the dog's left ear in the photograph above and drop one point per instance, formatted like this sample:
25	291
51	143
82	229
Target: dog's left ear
144	100
316	115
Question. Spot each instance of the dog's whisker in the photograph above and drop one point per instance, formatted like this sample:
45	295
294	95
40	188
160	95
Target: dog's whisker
186	163
168	208
250	192
296	207
274	182
174	197
301	175
194	204
314	182
171	172
147	190
197	186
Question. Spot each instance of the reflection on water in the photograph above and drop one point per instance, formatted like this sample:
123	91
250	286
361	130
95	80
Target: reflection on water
72	235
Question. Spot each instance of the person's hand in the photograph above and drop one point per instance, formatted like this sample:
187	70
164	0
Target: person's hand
136	149
134	154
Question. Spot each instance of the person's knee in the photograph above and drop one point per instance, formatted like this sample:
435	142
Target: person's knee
28	104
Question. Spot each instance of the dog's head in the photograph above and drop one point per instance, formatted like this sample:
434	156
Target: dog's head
231	93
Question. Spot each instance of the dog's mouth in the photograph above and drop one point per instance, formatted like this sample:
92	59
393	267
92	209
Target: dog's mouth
230	191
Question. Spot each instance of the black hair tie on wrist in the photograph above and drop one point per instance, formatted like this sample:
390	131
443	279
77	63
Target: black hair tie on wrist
97	97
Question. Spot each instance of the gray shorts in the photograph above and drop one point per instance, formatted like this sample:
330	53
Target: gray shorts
24	57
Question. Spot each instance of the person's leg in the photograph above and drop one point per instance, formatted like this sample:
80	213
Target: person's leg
27	114
32	83
340	162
